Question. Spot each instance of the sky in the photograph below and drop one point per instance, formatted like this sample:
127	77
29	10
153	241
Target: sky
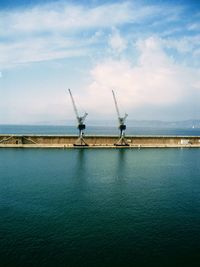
147	51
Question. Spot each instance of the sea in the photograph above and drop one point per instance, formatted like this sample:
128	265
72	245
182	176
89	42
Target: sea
99	207
96	130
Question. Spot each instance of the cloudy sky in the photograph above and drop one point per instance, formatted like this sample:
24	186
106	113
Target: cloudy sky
147	51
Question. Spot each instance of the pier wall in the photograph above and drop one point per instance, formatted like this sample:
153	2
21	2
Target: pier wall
97	141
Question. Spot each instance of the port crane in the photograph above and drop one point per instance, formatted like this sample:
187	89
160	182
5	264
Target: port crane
81	126
122	126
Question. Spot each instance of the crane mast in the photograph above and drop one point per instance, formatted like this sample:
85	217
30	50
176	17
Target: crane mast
116	106
81	126
122	126
74	105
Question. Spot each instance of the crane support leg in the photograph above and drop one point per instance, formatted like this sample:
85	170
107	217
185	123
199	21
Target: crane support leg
80	141
122	140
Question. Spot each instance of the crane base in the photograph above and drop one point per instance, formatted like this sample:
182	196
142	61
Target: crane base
121	142
80	142
80	145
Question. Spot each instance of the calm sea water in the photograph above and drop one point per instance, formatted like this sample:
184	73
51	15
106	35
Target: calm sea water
99	207
96	130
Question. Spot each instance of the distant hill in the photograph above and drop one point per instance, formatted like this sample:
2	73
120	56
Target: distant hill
167	124
130	123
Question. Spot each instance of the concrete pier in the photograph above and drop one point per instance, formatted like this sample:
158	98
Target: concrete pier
67	141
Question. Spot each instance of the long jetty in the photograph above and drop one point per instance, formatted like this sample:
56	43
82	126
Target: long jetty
68	141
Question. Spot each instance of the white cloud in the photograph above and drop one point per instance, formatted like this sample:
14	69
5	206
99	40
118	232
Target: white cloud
193	26
60	30
156	80
62	17
38	49
69	17
116	42
52	31
183	44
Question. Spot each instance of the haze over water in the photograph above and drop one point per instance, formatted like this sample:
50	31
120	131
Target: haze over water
99	207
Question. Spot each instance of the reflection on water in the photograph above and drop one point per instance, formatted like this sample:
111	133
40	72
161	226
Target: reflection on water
121	165
79	172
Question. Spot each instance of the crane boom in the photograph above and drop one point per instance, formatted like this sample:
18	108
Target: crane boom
79	118
74	105
116	106
122	126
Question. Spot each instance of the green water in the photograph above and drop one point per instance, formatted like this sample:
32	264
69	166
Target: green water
106	207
